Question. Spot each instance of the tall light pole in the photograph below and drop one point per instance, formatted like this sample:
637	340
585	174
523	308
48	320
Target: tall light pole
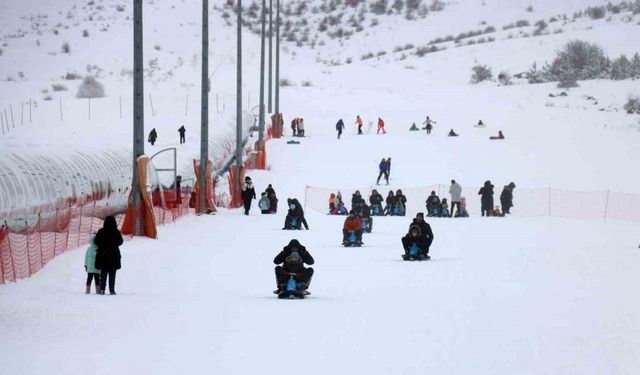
261	118
138	115
239	102
204	108
277	82
270	53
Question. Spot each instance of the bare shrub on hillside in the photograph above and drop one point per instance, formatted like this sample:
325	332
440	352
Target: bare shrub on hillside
579	60
367	56
421	51
436	6
66	48
480	73
90	88
596	13
379	7
632	105
85	33
58	87
397	6
286	82
621	68
540	27
72	76
504	78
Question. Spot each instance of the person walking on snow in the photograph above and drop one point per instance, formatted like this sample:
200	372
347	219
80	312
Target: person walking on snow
384	171
381	126
506	198
340	127
429	124
456	193
153	135
248	193
359	123
90	266
486	193
108	257
182	131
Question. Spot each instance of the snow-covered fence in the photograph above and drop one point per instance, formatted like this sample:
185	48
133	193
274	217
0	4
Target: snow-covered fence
527	202
26	249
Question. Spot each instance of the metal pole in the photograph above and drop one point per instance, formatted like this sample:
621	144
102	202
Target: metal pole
13	124
29	110
61	119
270	51
120	99
239	101
606	207
21	112
89	100
204	108
262	51
277	81
138	111
186	106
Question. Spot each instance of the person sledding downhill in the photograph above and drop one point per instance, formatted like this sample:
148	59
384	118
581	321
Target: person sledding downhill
376	203
417	241
366	221
292	278
352	230
295	216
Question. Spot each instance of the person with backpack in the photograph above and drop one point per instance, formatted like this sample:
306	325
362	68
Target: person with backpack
182	132
248	194
383	168
486	193
456	191
293	257
108	258
340	127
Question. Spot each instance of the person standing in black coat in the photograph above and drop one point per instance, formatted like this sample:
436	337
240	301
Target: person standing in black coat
108	239
506	198
248	194
153	135
290	265
486	193
182	131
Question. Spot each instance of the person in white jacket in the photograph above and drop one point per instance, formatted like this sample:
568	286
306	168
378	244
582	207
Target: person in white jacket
456	192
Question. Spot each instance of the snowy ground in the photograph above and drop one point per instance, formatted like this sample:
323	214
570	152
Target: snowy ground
500	297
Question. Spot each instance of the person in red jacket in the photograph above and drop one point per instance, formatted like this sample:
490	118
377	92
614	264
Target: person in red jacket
381	126
352	225
359	123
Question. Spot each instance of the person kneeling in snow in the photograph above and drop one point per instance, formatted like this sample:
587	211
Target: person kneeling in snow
293	257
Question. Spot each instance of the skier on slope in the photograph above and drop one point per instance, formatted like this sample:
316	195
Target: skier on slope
383	168
293	257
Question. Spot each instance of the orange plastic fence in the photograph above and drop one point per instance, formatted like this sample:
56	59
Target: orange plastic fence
26	250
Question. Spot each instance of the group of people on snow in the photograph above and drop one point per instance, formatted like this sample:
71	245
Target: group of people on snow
359	123
268	202
103	258
297	127
153	135
486	199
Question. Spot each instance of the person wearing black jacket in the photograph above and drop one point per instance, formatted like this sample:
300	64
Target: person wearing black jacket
419	234
376	203
357	200
295	212
506	198
486	193
390	202
248	193
108	239
182	132
287	257
401	203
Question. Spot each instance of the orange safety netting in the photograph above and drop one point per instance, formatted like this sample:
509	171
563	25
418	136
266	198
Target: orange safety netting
209	193
146	206
26	250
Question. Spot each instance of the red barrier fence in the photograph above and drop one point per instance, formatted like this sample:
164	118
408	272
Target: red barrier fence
527	202
26	250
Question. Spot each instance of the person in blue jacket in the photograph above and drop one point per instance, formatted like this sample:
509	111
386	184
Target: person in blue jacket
384	171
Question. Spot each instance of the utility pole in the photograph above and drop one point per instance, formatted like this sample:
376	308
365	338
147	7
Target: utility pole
261	118
204	108
270	52
277	128
239	102
138	114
